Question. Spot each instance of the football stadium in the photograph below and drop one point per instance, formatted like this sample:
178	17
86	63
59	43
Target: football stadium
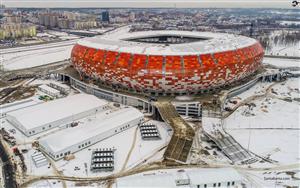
167	62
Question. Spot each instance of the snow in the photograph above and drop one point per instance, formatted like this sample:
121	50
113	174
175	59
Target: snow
273	125
101	30
49	89
37	47
145	149
285	50
211	125
18	105
279	62
282	47
36	55
169	178
89	128
56	110
22	60
117	40
290	88
142	152
61	35
271	178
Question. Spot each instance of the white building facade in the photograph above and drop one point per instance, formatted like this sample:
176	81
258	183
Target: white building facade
184	178
188	108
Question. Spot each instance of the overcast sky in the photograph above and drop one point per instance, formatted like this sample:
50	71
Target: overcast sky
148	3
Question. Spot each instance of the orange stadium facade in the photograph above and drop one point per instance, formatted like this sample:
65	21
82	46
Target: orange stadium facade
157	61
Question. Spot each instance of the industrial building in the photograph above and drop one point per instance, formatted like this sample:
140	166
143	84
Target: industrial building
90	131
188	108
9	107
192	178
49	91
64	89
60	112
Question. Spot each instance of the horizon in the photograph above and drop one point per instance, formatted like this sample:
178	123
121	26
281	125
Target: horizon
262	4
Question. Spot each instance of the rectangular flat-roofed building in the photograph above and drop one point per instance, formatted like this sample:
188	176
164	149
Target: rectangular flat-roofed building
187	178
60	87
60	112
90	131
49	91
9	107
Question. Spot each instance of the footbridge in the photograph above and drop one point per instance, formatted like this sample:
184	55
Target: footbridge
183	134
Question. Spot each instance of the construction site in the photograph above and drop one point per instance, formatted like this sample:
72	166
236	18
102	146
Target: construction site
179	147
104	118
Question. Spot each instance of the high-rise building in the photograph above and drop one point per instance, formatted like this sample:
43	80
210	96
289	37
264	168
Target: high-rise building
17	30
13	19
132	16
105	16
49	20
63	23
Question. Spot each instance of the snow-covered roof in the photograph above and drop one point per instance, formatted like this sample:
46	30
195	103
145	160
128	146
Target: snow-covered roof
216	42
167	178
91	126
208	175
64	86
5	108
49	89
41	114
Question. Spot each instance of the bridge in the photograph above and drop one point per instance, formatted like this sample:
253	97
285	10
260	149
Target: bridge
183	134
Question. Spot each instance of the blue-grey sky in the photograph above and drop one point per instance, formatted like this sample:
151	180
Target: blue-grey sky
150	4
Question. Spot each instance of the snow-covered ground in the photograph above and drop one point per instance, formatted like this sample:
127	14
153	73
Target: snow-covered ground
271	125
285	50
21	60
37	47
282	62
142	152
280	47
122	143
258	89
290	88
271	178
61	35
37	55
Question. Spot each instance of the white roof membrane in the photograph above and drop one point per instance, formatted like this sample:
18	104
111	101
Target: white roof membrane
41	114
216	42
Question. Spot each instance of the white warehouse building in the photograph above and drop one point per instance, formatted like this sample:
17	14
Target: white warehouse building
90	131
187	178
57	113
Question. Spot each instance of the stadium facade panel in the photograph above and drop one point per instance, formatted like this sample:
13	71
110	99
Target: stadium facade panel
179	67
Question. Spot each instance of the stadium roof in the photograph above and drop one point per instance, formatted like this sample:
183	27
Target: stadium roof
121	41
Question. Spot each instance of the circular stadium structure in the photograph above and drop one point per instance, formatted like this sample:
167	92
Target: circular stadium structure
159	62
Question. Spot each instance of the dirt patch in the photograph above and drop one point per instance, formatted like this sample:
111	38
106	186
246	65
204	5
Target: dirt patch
13	94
